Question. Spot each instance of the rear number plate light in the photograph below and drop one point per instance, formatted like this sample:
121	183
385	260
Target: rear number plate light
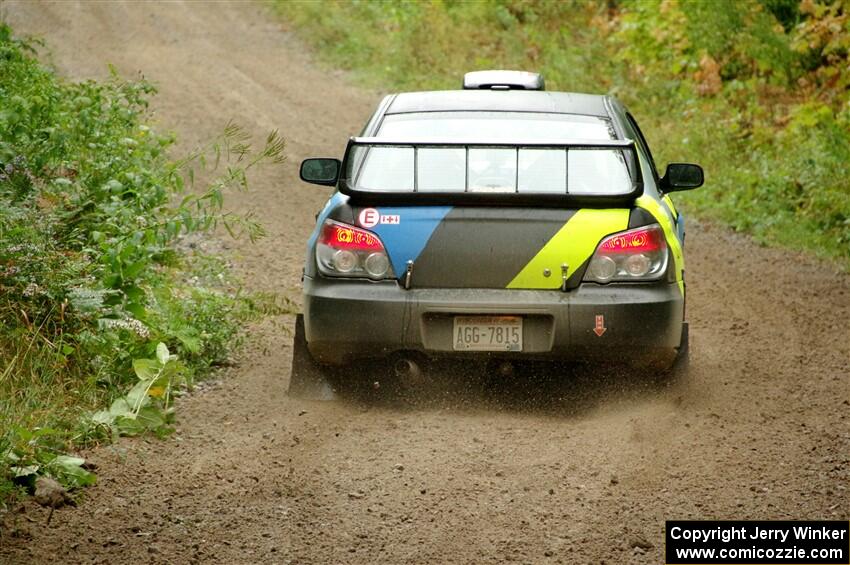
487	333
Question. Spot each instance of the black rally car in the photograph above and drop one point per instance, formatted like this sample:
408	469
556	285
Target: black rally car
497	221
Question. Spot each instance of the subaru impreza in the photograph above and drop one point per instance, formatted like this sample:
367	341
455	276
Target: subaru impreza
498	222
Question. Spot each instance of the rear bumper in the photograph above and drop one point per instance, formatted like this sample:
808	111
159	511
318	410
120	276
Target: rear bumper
347	320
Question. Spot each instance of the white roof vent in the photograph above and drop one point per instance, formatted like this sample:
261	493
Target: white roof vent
503	80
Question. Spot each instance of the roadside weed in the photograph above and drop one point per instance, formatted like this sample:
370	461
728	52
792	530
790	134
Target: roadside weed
101	305
757	92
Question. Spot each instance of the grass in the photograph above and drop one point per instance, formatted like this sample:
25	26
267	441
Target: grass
104	319
753	91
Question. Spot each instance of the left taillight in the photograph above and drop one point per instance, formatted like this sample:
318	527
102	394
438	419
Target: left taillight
347	251
639	254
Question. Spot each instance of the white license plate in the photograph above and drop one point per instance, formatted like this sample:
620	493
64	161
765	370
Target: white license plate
487	333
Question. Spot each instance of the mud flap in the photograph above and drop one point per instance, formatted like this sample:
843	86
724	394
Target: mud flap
308	380
683	357
679	370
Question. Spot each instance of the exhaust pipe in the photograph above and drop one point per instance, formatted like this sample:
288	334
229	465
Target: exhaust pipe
408	372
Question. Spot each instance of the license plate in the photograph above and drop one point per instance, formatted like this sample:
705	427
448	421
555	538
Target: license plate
487	333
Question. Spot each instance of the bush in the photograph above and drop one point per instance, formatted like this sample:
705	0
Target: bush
93	285
757	92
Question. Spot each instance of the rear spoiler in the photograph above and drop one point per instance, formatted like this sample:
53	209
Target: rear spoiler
354	157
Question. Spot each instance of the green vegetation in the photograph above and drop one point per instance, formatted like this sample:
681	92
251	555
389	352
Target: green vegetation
755	91
100	307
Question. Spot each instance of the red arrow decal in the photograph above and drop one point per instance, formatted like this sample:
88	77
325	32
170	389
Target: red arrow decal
600	325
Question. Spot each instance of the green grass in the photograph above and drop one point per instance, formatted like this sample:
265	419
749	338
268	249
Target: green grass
99	307
753	91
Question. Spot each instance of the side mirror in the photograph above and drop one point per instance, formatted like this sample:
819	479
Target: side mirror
682	176
320	171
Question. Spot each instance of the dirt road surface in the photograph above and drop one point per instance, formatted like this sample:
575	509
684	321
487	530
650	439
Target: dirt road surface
759	430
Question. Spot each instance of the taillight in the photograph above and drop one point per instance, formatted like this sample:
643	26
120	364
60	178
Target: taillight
639	254
346	251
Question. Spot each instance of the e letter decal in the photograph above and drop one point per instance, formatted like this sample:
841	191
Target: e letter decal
369	218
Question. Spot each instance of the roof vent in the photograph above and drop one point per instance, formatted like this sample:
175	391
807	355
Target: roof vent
503	80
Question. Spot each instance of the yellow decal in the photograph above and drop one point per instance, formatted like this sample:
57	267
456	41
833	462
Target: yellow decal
666	222
574	243
669	201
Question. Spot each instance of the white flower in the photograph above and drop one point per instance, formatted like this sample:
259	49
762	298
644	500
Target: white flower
31	289
132	325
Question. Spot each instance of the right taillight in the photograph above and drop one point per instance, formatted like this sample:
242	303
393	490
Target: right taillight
639	254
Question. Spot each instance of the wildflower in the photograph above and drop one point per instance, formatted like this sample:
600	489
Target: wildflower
22	248
131	324
30	290
139	328
17	165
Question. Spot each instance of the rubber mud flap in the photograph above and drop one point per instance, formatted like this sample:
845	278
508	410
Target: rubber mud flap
683	357
678	372
308	380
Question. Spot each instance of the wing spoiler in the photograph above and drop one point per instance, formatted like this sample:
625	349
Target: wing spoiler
380	170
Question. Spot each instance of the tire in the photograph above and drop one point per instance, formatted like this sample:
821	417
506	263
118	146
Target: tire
309	379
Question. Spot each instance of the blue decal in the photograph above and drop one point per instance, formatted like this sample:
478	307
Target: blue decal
406	240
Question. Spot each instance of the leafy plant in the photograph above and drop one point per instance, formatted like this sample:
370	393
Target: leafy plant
34	452
98	298
756	91
147	407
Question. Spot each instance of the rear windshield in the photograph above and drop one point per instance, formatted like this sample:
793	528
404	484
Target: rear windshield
491	169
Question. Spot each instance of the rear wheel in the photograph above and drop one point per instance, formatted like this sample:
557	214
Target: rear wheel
309	379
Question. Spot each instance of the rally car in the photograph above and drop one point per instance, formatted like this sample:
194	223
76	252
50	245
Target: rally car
500	221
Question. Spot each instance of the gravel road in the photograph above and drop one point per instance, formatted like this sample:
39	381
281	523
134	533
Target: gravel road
585	474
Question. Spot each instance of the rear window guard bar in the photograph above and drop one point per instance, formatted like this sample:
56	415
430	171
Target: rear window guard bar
627	146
